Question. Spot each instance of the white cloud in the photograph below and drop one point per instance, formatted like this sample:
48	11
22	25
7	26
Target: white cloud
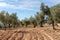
25	4
6	5
21	4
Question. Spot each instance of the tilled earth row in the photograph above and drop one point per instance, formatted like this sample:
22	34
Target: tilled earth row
29	34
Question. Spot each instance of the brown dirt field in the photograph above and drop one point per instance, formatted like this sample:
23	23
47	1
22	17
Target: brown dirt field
45	33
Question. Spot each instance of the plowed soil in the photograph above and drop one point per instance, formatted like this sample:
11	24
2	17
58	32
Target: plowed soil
45	33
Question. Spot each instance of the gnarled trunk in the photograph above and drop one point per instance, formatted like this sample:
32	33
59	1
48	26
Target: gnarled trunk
41	24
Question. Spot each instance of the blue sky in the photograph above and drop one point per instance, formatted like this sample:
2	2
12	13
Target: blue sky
25	8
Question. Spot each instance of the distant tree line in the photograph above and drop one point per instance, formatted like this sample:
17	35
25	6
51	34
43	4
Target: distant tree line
8	20
49	15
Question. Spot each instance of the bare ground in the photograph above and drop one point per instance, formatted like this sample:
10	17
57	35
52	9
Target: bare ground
45	33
